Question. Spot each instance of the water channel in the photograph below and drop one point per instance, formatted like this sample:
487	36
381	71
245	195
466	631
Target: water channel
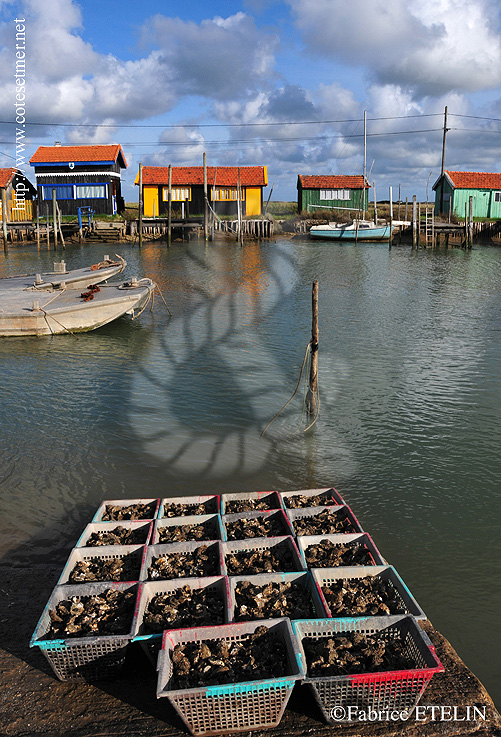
410	406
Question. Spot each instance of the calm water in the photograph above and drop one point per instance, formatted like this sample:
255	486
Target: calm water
410	406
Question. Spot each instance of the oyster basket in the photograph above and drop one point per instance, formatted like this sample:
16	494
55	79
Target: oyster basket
133	553
93	658
142	528
303	578
152	512
211	504
155	551
233	707
277	514
272	498
363	538
343	697
305	512
327	576
336	497
151	643
212	520
258	544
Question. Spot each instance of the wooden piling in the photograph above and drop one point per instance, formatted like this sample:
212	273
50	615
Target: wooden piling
54	217
415	235
391	217
4	218
169	207
140	239
311	399
206	212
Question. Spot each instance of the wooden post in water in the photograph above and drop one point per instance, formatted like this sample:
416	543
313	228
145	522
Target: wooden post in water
169	207
470	222
54	217
414	222
391	216
38	230
206	223
375	202
311	398
4	218
140	224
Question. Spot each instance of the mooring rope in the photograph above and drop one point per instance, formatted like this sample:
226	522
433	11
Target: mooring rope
308	349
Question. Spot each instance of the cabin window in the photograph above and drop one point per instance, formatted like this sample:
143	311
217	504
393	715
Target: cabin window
178	194
222	194
90	191
497	196
63	191
335	194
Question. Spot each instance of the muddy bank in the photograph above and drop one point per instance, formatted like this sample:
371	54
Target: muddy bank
33	702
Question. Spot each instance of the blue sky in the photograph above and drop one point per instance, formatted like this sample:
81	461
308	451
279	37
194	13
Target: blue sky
277	82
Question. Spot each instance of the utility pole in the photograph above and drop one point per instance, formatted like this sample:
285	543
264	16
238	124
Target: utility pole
442	169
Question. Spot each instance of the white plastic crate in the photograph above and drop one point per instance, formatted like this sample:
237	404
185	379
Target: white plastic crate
301	578
151	642
257	544
233	707
141	528
275	514
342	510
156	551
96	657
133	553
397	690
270	498
151	512
328	576
361	538
213	522
211	503
329	491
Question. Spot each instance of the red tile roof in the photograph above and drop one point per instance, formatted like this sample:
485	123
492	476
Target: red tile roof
226	176
474	180
6	176
332	181
63	154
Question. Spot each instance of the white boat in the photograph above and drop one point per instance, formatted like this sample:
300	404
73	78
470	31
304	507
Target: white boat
63	310
357	230
60	277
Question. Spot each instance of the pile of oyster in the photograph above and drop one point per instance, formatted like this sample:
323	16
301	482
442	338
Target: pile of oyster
271	600
265	526
132	511
108	613
323	523
318	500
354	652
184	607
251	505
201	562
181	533
369	596
118	536
249	562
214	662
327	554
183	510
112	569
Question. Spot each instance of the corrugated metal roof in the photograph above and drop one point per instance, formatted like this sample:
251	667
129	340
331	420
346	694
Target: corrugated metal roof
474	180
226	176
332	181
63	154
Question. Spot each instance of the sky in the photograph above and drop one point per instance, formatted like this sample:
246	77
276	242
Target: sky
280	83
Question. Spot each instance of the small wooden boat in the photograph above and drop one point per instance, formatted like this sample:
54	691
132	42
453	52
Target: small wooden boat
357	230
60	277
63	310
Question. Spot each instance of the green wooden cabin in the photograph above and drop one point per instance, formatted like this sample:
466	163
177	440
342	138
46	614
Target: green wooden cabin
330	191
454	189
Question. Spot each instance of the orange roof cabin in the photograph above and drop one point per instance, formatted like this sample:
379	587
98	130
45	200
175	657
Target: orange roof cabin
326	191
187	190
454	189
83	176
17	194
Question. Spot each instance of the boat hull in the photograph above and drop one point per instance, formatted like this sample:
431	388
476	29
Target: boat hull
68	312
350	234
